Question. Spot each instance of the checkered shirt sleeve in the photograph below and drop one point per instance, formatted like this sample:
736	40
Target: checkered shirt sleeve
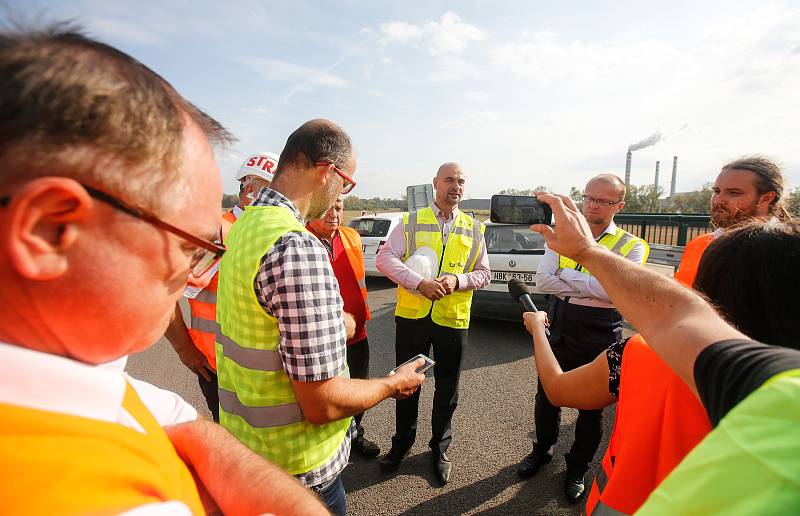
296	285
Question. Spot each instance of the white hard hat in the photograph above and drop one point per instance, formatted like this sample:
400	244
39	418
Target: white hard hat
260	165
424	262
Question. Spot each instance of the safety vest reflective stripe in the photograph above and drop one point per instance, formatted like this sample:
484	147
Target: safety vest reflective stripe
206	296
602	509
204	325
258	359
260	417
351	242
476	247
620	243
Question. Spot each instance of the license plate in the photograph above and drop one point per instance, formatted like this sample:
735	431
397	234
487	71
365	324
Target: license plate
505	276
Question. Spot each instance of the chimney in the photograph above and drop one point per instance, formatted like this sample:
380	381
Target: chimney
655	182
628	168
674	175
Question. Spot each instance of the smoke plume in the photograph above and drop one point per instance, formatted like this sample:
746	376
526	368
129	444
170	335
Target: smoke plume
647	142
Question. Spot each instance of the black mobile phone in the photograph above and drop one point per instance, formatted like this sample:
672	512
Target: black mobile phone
427	365
519	209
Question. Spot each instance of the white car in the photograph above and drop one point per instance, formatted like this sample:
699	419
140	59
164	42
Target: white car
514	251
374	231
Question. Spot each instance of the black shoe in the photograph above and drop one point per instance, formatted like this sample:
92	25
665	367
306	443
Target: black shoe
391	461
530	465
365	447
574	487
443	466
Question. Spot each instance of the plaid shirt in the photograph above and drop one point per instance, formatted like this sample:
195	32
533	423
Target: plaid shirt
296	285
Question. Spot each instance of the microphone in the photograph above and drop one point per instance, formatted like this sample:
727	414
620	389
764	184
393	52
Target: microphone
519	291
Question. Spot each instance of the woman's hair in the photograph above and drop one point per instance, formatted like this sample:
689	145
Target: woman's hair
751	275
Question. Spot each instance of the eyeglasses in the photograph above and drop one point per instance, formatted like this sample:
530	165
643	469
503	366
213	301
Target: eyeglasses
599	202
349	182
205	257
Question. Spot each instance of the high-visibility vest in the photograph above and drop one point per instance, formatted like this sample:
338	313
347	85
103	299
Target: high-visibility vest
749	464
351	241
620	243
658	422
690	261
57	463
256	396
203	327
459	256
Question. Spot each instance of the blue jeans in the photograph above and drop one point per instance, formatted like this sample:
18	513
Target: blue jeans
332	495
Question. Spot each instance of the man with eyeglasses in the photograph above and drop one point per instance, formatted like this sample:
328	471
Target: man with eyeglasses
284	387
583	323
93	256
196	345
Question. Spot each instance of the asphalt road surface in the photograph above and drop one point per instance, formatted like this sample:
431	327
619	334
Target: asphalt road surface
492	426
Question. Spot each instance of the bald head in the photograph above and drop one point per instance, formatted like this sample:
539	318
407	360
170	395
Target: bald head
614	181
449	185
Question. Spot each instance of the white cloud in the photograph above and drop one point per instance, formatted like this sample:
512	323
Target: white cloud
117	30
472	119
448	35
275	70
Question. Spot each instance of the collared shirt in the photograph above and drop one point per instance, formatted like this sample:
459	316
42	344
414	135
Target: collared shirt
582	289
296	285
389	258
50	383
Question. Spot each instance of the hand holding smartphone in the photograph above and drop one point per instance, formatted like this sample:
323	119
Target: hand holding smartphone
428	364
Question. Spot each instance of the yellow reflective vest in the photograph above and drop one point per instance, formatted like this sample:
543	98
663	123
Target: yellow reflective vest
620	243
459	256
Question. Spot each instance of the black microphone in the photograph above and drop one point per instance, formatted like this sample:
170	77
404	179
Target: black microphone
519	291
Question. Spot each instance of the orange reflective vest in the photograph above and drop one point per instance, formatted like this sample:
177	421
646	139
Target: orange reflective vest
203	327
351	241
690	260
658	422
64	464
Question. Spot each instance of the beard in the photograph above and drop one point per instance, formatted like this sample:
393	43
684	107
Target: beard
323	200
727	217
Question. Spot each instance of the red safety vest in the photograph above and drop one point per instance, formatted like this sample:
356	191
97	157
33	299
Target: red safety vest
690	260
203	327
659	420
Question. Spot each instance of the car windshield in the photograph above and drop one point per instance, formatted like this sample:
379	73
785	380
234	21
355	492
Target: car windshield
513	239
371	227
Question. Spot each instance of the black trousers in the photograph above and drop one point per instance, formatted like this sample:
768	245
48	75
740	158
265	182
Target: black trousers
358	363
577	335
210	393
415	336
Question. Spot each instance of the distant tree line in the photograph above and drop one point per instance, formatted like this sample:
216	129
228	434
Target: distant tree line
353	203
639	199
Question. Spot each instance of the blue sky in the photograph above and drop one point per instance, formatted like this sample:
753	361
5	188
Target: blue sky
520	93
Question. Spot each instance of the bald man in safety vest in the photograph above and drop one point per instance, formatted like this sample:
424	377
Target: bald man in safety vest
195	345
434	312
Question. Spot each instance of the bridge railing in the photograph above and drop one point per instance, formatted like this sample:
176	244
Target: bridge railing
664	228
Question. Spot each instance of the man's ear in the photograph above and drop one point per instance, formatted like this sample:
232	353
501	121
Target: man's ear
766	198
43	221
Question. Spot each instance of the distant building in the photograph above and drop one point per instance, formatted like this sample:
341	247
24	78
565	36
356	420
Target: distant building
475	204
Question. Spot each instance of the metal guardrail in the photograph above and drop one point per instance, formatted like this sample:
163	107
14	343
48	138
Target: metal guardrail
664	228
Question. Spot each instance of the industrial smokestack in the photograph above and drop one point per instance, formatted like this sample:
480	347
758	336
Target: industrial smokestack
674	175
655	182
628	168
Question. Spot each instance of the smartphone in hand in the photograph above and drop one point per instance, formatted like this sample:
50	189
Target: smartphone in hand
427	365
